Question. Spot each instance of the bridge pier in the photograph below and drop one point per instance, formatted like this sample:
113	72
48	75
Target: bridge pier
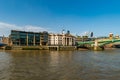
97	47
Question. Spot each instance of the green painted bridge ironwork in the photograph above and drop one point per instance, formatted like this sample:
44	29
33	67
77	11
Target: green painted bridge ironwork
101	42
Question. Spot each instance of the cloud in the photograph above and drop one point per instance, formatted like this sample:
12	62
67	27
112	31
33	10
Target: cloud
85	33
34	28
5	28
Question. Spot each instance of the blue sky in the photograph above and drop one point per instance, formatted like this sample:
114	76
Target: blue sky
78	16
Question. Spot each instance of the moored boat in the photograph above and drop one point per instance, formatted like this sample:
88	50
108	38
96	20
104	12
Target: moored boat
2	44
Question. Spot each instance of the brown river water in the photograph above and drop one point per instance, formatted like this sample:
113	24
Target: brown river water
60	65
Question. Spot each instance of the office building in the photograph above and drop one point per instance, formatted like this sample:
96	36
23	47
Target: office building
23	38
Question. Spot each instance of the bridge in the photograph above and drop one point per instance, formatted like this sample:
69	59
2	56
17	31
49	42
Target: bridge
97	43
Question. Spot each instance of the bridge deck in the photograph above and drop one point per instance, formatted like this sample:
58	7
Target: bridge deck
101	42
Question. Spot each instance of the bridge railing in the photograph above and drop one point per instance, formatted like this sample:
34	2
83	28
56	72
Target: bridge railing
101	42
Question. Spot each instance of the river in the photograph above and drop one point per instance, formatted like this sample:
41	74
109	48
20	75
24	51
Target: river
60	65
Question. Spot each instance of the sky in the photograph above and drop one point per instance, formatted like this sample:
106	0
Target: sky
78	16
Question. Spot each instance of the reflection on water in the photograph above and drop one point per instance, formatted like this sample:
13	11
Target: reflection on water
60	65
5	66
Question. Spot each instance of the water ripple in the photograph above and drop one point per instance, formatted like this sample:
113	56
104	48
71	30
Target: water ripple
60	65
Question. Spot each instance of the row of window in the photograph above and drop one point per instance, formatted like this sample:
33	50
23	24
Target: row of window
20	38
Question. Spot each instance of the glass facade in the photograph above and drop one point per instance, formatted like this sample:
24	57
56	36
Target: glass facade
23	38
30	39
15	37
44	38
37	39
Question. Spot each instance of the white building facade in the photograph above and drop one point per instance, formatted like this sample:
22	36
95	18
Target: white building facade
61	40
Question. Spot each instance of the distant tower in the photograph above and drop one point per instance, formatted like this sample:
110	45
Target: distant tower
63	31
91	35
110	35
68	32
